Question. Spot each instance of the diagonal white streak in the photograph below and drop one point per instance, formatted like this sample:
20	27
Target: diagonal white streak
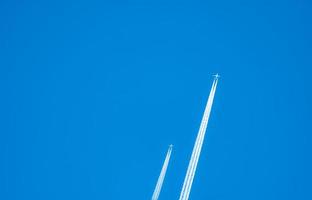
186	189
162	175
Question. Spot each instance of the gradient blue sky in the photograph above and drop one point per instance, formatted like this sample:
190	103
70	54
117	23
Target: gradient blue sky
93	92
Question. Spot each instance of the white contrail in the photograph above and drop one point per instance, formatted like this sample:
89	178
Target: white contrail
162	175
199	142
197	148
186	189
195	154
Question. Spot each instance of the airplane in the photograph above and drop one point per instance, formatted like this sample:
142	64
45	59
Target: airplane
171	145
216	75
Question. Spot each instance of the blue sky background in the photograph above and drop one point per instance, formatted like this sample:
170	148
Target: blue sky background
93	92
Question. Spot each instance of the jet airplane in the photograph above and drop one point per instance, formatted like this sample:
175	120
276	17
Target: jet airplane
216	76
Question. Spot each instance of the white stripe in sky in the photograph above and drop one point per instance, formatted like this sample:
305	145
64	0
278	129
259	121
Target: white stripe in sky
187	185
162	175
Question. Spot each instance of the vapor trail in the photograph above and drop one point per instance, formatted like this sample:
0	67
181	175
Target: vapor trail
196	152
186	189
199	142
162	175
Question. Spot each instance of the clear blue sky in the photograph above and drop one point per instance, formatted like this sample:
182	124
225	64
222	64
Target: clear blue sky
93	92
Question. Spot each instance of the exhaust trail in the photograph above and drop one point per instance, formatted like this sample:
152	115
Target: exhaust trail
199	142
162	175
191	170
195	155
